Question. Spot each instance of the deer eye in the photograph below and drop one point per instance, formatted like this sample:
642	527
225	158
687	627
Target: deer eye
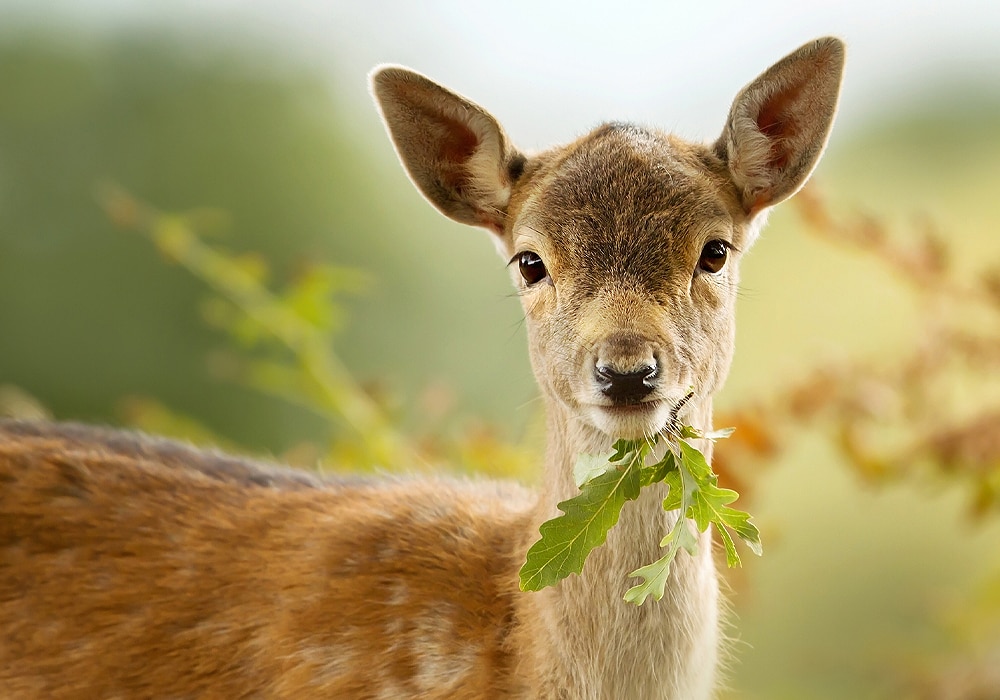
713	256
532	268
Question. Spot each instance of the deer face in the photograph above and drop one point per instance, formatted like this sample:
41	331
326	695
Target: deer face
624	248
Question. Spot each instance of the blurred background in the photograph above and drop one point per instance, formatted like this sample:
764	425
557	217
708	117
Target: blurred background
204	232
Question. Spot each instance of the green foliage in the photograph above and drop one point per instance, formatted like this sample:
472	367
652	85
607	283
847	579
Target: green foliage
286	335
605	486
694	491
568	539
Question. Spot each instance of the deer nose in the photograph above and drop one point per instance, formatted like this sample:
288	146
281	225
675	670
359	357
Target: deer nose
626	388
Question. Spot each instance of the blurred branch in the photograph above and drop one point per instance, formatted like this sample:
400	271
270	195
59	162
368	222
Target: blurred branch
300	321
888	416
935	405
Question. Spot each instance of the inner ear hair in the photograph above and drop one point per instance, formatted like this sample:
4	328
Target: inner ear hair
778	124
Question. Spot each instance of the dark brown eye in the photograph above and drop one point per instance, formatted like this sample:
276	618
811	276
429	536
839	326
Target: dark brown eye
532	268
713	256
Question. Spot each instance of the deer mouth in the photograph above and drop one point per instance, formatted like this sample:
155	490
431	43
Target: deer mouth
631	420
635	407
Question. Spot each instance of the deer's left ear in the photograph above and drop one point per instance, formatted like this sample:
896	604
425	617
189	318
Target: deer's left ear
779	123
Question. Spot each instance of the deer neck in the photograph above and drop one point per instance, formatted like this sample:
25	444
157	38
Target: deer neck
604	646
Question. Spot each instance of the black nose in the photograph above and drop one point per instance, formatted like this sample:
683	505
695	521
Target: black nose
626	388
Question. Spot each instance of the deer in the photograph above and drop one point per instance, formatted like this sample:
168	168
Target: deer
139	567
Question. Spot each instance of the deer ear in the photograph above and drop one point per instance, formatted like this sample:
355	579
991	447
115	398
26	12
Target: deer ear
779	123
454	151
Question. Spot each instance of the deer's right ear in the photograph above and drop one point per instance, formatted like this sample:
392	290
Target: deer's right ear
455	151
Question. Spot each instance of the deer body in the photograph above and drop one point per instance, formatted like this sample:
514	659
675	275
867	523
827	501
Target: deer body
134	567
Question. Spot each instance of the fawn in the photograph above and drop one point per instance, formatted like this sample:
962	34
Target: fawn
134	567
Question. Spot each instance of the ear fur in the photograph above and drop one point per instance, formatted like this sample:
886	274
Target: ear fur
778	124
455	152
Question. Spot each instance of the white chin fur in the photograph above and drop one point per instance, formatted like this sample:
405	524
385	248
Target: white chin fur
637	421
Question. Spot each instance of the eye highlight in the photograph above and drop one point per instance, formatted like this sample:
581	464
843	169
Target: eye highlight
713	256
531	267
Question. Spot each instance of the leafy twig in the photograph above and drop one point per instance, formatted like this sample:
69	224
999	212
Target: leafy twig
605	486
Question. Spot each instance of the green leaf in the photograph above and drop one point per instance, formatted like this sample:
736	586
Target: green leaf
739	522
658	472
682	537
568	539
655	575
675	497
589	466
694	461
654	580
621	448
627	450
732	556
710	504
688	432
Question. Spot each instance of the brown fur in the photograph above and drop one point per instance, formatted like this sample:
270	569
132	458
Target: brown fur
133	568
137	568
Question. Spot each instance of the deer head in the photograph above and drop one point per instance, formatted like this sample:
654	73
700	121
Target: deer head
625	244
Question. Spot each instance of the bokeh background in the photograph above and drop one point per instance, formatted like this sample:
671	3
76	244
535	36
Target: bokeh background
255	117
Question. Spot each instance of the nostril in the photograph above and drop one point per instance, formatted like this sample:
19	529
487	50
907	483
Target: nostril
649	372
606	371
605	377
626	387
